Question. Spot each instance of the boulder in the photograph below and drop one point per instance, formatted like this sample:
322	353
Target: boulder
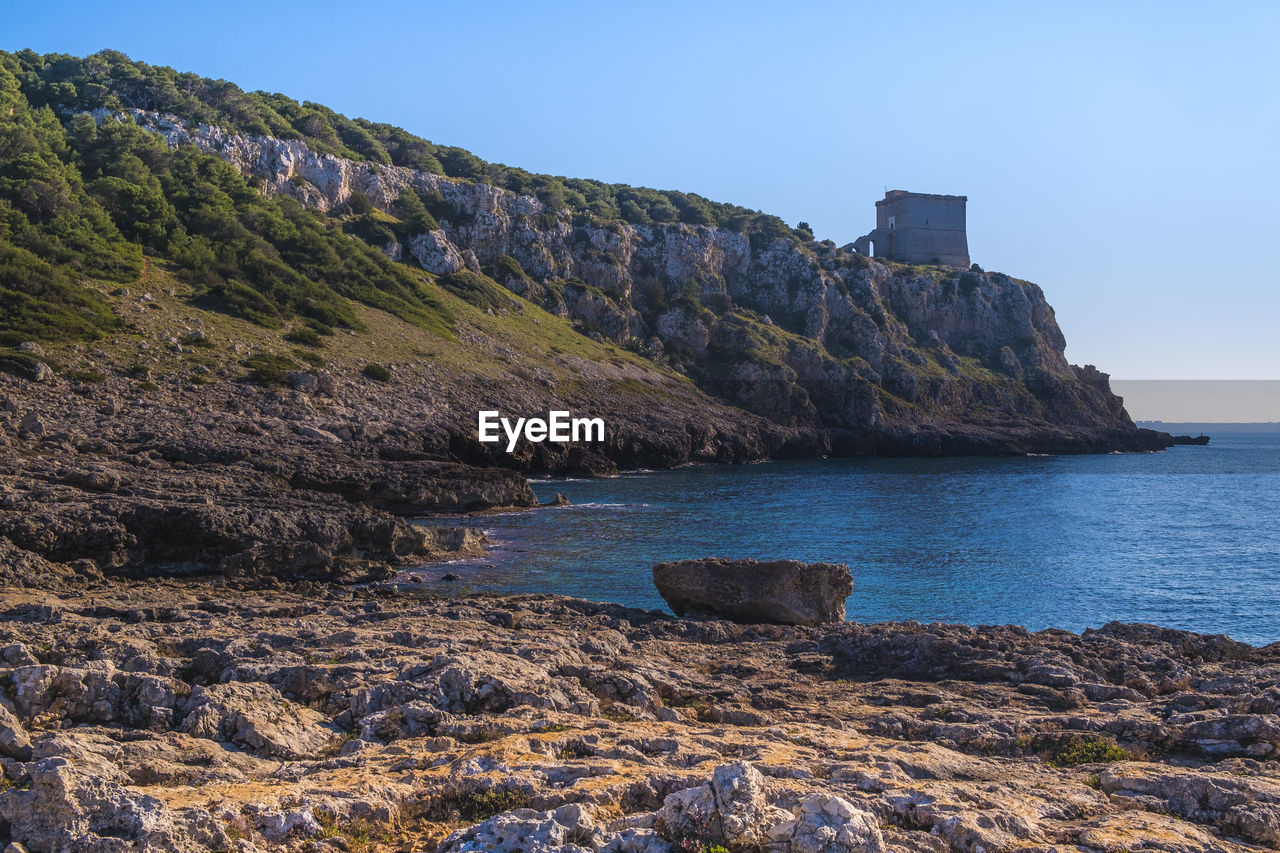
31	426
301	380
825	823
783	591
733	807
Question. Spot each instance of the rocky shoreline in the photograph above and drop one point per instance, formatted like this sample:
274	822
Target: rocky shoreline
182	716
106	475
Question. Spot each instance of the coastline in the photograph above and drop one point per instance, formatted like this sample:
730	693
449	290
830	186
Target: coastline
111	477
287	397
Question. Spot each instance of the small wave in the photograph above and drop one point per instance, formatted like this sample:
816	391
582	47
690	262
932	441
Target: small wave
605	505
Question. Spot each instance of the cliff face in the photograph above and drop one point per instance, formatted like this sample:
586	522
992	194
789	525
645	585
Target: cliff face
885	357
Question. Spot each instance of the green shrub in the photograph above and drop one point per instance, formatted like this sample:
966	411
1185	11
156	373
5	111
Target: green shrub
269	368
471	806
18	364
376	372
1069	749
359	204
413	215
304	335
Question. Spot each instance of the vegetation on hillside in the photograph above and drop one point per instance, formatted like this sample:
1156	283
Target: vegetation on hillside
111	80
80	200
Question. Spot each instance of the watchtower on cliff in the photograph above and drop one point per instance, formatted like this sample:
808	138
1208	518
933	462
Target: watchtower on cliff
918	228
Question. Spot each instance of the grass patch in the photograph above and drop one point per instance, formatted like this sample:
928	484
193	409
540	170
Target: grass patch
91	377
311	358
482	734
478	290
376	372
306	336
361	834
470	806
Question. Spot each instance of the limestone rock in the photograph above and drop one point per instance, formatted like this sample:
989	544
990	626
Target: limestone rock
1245	804
732	808
66	811
825	823
20	567
81	694
436	253
258	717
568	829
836	738
782	591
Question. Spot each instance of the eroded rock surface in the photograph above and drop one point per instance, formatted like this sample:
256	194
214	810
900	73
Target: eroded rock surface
172	716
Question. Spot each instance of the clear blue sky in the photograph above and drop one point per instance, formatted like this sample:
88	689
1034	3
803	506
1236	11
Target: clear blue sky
1121	155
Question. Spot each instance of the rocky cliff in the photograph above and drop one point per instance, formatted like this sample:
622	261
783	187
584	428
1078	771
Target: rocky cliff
878	357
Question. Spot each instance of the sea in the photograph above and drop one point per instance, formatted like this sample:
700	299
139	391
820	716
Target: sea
1188	538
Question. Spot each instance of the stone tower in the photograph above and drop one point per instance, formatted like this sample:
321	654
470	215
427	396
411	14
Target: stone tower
918	228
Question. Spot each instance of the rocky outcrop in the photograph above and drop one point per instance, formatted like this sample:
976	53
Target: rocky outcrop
162	716
786	592
886	358
149	489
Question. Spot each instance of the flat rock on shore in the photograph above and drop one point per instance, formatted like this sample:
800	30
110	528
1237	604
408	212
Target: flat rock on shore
786	592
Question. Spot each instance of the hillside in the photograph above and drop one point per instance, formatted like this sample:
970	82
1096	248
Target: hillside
301	221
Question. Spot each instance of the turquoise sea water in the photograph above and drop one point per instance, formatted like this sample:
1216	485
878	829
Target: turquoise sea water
1189	538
